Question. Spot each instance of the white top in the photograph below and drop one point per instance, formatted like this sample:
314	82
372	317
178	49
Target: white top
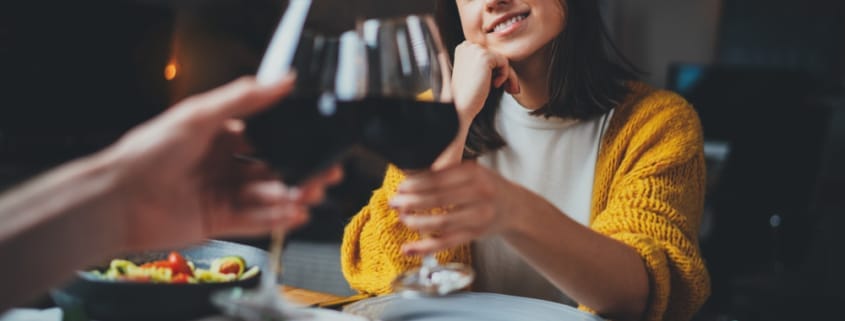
555	158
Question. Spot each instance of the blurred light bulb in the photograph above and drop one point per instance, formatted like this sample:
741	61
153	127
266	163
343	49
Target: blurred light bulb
170	71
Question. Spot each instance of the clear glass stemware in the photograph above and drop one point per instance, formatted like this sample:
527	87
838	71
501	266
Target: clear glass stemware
410	73
265	303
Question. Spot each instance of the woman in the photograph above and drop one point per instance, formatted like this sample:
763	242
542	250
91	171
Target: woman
577	184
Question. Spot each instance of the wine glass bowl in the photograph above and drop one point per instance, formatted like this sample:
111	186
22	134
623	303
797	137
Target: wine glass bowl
409	134
311	129
385	87
412	116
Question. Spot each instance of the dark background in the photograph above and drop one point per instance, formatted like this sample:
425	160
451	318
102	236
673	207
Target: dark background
766	77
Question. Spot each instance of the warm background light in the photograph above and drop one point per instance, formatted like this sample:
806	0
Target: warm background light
170	71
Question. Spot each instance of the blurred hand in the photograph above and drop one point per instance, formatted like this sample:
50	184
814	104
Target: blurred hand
477	201
475	70
180	182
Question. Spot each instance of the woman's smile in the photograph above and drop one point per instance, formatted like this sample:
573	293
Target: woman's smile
515	29
507	24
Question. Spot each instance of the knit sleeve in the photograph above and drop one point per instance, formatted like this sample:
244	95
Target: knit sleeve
655	204
370	251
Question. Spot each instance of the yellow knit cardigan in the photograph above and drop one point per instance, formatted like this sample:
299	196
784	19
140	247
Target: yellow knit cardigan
648	193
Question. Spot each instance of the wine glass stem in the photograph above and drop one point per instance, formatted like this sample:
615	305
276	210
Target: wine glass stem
429	262
277	239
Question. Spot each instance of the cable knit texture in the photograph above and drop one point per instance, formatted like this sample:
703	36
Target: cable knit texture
648	193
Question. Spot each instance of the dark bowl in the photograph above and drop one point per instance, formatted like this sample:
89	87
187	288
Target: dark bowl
103	300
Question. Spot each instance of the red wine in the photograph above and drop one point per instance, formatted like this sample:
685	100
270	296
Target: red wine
298	138
410	134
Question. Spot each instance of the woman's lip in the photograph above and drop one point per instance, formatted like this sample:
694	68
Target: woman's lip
510	29
504	18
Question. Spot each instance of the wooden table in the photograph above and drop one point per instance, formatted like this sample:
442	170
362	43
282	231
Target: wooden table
318	299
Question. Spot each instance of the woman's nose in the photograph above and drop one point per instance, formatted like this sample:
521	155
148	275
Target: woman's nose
496	4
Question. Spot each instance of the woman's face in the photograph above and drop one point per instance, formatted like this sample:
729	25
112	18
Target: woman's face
515	29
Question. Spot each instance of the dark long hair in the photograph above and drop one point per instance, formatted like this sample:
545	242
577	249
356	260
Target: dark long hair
588	75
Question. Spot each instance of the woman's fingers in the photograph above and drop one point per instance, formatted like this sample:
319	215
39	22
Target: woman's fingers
436	244
430	181
501	70
465	191
504	75
512	85
452	186
472	217
454	195
447	230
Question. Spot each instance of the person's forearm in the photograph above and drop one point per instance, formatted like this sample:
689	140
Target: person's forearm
593	269
455	151
54	224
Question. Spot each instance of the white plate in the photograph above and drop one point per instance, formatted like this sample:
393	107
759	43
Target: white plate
308	314
331	315
466	306
55	314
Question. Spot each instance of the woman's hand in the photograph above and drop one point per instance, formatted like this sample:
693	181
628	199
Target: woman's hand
179	182
476	69
478	202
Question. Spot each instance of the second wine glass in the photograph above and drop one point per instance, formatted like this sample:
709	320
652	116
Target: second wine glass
412	120
301	136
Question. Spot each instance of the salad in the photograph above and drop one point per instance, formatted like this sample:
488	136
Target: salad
176	269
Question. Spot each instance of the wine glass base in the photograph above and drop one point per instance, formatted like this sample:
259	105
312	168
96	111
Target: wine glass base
434	281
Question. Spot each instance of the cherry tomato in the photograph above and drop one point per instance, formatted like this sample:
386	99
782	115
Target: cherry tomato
180	278
230	268
178	264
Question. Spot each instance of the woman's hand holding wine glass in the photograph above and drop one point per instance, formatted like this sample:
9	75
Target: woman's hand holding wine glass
479	202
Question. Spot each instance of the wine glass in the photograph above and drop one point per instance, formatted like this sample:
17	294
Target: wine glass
412	120
300	136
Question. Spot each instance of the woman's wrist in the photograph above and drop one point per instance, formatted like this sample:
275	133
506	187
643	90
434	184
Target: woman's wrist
453	154
521	216
466	115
